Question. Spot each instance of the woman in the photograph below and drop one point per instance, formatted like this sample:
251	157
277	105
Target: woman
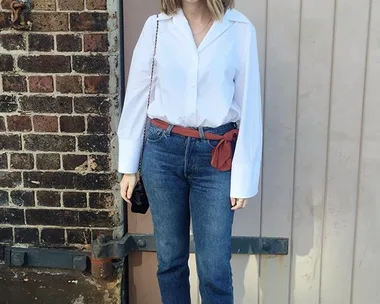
206	82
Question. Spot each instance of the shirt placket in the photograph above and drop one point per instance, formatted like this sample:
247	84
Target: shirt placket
191	104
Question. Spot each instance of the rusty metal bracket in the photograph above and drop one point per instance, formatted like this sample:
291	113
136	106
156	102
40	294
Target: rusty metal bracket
117	249
18	19
46	258
104	252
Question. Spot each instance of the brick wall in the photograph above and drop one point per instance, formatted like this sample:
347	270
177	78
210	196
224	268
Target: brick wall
57	107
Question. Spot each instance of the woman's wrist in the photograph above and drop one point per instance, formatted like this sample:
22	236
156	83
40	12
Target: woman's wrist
130	174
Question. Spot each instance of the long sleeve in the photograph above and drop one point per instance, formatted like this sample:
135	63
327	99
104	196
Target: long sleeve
246	165
132	121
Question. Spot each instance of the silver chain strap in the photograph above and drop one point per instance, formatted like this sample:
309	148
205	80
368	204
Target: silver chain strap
149	94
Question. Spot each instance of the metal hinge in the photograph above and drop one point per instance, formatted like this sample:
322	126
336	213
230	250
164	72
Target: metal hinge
46	258
104	253
146	243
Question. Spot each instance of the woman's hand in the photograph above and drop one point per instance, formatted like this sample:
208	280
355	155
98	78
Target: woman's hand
127	185
238	203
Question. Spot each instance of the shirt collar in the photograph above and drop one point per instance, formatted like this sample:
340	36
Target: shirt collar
163	16
231	14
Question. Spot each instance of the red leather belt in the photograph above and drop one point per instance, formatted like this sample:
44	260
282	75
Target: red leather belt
221	154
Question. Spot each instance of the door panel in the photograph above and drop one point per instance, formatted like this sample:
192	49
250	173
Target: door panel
321	161
245	268
317	17
366	276
349	66
143	285
279	142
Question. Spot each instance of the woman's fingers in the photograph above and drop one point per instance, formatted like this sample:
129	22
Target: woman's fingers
123	190
127	185
233	201
129	192
239	203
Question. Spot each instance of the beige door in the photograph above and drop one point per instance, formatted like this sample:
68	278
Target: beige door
320	63
143	285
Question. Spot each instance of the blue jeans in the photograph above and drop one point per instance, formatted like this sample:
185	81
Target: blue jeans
181	185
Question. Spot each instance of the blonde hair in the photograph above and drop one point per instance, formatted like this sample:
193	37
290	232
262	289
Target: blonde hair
217	7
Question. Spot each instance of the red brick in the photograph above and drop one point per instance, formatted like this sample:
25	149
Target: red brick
99	163
94	143
46	104
49	22
92	104
52	217
72	161
43	142
96	4
12	41
9	180
79	236
2	124
72	124
4	198
88	21
98	124
68	180
69	84
44	5
71	5
5	20
75	199
48	161
22	161
41	84
69	43
95	42
6	235
95	218
96	84
19	123
12	216
23	198
3	162
26	235
7	103
49	198
102	200
91	64
41	42
6	4
6	63
52	236
45	123
10	142
14	83
45	64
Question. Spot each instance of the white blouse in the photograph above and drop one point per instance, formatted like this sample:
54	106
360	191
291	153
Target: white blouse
210	85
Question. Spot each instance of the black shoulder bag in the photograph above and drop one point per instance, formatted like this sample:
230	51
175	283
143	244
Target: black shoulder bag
139	198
